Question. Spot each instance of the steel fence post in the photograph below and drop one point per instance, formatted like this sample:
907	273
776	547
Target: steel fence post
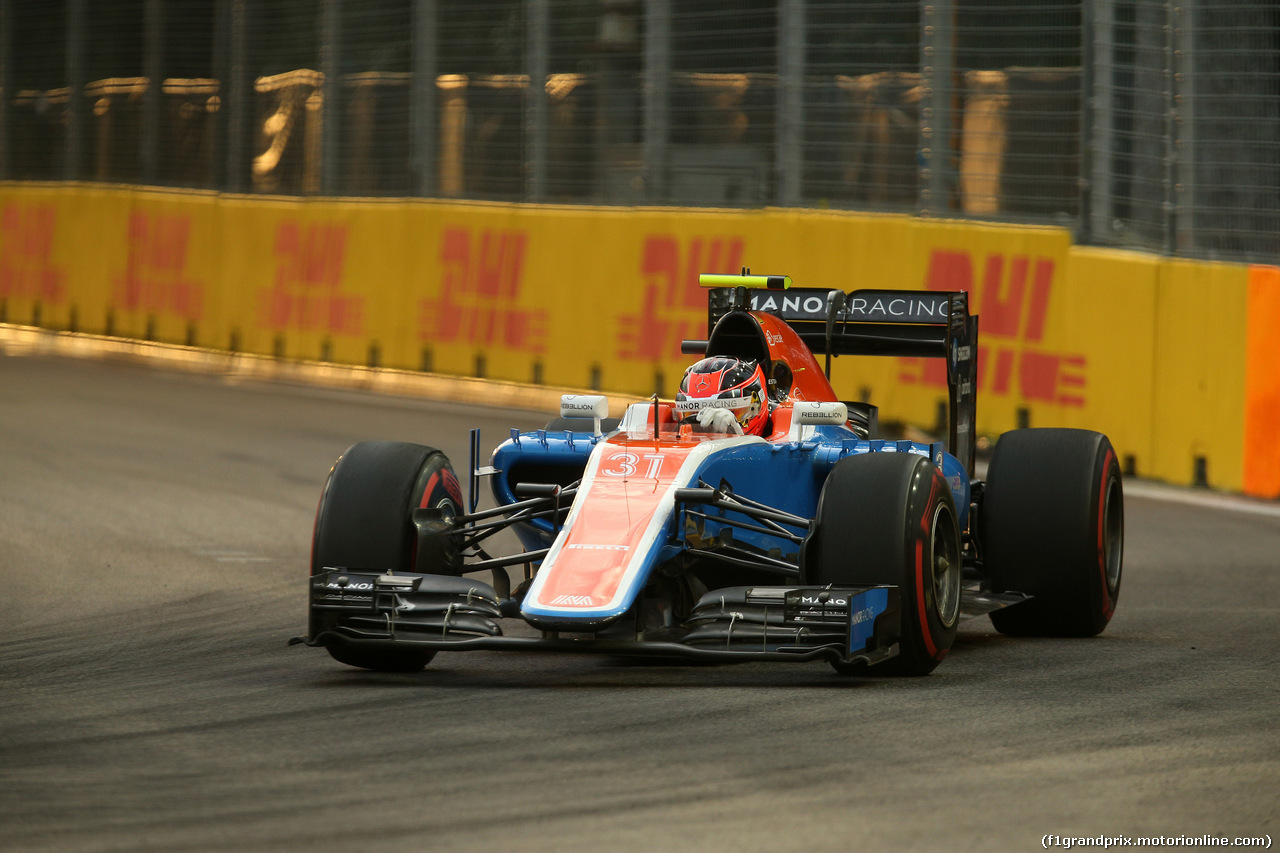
331	68
1181	213
537	63
236	95
6	85
937	72
1098	45
424	105
75	90
657	101
152	62
790	122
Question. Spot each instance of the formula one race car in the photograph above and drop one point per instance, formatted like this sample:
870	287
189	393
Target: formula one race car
657	538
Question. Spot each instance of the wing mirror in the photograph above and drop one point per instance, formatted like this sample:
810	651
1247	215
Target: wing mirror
594	406
809	412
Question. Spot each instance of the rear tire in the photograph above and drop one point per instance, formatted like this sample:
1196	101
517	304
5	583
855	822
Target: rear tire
1052	526
889	518
365	523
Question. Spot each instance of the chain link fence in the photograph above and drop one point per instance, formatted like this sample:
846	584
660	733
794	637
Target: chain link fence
1143	124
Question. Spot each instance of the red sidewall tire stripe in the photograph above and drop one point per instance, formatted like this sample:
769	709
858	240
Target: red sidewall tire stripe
1108	606
922	605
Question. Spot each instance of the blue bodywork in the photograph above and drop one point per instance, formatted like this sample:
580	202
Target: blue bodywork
786	475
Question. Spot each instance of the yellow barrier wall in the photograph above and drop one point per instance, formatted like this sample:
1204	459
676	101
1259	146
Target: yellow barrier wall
1108	312
1159	354
1199	372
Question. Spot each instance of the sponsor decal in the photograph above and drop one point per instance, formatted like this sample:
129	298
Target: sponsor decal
307	292
710	403
675	305
819	412
482	272
922	308
862	620
821	605
154	279
579	547
446	479
589	405
860	616
574	601
26	253
1014	300
704	384
862	305
347	599
791	307
356	585
451	486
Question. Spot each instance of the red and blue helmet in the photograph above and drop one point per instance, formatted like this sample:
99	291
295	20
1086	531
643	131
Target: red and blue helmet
736	384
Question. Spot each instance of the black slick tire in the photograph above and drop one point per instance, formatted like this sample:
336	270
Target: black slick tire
365	523
1052	526
889	518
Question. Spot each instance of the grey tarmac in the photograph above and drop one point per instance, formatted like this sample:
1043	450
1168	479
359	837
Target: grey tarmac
154	541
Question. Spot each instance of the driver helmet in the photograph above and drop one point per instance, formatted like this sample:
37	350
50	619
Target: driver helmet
739	383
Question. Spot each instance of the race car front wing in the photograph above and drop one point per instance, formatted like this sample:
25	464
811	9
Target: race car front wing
446	613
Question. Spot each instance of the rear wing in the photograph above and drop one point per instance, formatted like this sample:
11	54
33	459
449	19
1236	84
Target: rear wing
908	323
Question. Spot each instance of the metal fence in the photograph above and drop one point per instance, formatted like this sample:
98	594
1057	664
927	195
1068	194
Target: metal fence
1145	124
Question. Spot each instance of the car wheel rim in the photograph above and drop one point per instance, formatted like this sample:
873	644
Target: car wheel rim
944	558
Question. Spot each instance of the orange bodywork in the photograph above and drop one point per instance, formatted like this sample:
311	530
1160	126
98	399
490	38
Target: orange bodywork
809	382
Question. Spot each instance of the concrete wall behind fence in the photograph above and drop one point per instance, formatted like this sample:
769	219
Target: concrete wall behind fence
1174	359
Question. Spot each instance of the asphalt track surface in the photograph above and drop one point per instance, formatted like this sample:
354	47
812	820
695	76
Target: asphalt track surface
154	539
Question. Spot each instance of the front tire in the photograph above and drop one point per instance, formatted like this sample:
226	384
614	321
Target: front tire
1052	526
889	518
365	523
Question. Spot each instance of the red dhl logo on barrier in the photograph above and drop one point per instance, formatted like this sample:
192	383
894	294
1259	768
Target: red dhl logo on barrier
154	277
306	295
671	292
26	254
1014	307
480	280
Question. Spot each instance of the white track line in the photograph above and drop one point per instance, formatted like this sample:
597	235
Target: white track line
1210	500
1153	491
